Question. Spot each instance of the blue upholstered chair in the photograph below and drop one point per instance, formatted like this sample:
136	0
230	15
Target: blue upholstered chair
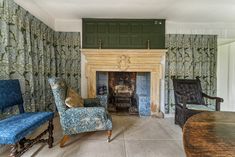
13	129
91	117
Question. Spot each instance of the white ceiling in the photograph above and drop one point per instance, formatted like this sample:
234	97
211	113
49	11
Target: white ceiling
183	11
174	10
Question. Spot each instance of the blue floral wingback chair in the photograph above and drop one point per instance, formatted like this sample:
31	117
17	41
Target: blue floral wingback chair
91	117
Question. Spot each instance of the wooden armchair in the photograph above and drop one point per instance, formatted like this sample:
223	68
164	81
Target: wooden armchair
189	99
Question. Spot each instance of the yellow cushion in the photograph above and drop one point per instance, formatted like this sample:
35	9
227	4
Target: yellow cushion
73	99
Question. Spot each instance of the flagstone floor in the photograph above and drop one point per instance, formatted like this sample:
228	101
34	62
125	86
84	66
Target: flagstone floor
132	137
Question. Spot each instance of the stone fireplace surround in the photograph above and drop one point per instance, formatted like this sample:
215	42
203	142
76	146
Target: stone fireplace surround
128	60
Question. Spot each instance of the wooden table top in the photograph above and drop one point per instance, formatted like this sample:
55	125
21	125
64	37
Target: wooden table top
210	134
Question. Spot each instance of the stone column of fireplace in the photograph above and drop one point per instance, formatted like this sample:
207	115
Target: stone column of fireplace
127	60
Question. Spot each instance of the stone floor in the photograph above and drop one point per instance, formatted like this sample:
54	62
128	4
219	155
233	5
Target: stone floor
132	137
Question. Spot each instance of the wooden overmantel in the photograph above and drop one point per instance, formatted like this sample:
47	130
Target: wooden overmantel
126	60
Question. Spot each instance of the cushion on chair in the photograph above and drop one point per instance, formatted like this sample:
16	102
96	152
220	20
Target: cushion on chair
15	128
73	99
198	107
85	119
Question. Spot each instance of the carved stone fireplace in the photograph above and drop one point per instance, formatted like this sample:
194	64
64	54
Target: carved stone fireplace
127	60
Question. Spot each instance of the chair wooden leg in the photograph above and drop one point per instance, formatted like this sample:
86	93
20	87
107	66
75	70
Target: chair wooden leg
22	143
64	140
14	150
109	133
50	132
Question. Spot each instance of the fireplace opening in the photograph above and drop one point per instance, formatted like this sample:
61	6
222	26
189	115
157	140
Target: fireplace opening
122	92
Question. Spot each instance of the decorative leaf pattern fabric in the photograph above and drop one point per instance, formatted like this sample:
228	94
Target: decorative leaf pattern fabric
189	56
86	119
81	119
16	127
68	58
31	52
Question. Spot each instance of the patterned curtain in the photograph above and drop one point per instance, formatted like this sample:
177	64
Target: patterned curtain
31	52
42	57
189	56
68	60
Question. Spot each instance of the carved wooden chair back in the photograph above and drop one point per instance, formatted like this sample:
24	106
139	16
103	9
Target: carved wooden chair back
190	88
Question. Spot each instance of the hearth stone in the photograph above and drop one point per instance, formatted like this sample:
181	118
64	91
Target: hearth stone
112	108
133	110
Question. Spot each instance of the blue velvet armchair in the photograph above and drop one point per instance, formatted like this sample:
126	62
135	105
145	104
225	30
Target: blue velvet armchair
91	117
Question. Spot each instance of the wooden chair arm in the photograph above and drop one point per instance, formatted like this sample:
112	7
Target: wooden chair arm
211	97
218	100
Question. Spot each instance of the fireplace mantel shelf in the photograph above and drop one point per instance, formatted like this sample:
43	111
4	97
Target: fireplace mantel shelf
131	50
110	51
129	60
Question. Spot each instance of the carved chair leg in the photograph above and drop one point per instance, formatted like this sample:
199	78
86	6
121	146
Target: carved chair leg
109	133
63	140
50	131
14	150
22	143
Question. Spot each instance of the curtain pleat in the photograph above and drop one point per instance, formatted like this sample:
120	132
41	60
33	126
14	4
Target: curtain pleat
190	56
31	52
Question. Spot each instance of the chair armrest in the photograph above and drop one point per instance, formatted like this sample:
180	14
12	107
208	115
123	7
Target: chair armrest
218	100
92	102
211	97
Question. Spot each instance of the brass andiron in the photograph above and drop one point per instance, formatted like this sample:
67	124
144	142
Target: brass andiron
148	44
100	44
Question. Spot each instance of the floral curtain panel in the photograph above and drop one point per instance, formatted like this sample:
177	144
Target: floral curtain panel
68	58
31	52
189	56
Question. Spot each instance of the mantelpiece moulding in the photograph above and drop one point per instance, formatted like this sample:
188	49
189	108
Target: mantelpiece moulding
127	60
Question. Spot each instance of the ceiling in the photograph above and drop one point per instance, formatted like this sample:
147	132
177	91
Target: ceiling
174	10
182	11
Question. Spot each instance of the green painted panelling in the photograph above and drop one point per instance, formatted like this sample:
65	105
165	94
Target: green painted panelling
124	33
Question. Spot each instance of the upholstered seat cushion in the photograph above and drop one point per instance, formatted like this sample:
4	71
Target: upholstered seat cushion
15	128
198	107
85	119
